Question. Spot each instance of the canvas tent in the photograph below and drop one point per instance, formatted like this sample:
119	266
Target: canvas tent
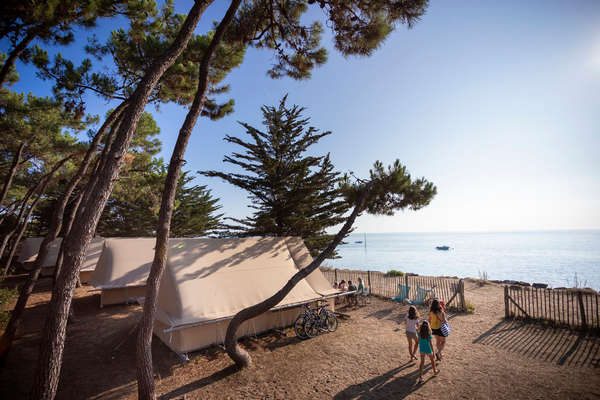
207	281
122	269
31	247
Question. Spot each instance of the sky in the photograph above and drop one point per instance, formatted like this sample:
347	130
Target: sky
497	103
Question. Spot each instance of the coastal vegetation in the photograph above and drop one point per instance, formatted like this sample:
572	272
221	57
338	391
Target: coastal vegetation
292	193
394	272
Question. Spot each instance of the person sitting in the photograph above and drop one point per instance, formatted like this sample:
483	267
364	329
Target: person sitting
335	285
361	286
341	287
352	299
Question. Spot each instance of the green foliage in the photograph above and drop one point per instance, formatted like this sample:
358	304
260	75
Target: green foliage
46	127
133	51
394	273
52	22
389	190
133	208
358	28
6	297
292	193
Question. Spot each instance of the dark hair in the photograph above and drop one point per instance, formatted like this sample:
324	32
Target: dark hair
424	330
349	282
435	306
342	281
412	312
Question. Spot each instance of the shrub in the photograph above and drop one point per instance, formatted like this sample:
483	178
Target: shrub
470	307
393	273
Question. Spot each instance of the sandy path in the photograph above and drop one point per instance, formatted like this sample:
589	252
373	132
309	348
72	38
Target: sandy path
365	359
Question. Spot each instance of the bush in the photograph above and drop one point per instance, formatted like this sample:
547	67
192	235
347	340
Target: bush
470	307
394	273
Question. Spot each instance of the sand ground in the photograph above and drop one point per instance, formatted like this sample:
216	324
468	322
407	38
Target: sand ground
366	358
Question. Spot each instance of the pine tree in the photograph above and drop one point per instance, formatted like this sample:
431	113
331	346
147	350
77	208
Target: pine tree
52	23
293	193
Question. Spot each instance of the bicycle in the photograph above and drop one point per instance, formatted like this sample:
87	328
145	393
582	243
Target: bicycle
312	321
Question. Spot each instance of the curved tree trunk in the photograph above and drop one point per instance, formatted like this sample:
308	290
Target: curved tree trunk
145	375
12	172
53	339
53	230
12	57
235	351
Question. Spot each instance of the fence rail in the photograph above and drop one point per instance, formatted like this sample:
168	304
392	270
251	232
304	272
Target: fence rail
575	308
451	290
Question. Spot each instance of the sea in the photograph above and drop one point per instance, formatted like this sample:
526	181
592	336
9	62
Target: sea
558	258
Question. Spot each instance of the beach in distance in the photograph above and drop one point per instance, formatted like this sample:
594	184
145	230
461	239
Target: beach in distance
559	258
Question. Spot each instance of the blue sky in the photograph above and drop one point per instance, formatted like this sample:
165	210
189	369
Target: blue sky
495	102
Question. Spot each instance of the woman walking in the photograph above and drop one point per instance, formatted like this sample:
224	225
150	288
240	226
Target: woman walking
437	317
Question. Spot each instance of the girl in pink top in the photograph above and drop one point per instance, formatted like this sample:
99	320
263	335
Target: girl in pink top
412	325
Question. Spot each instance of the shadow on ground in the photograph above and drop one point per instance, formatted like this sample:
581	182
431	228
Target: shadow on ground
390	385
559	346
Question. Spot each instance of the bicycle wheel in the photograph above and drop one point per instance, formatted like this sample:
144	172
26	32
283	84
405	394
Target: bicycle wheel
332	322
311	327
299	327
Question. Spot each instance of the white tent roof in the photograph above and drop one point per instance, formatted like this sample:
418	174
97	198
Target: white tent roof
208	279
31	247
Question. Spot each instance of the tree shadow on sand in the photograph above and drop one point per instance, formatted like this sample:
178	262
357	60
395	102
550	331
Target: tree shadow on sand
558	346
390	385
200	383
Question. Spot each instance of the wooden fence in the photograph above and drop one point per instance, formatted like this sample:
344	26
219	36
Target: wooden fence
451	290
573	308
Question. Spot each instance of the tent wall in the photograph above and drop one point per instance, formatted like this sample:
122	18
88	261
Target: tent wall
121	295
85	276
198	337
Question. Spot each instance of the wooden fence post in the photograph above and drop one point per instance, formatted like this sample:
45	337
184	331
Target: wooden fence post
406	284
335	275
582	310
506	315
369	279
461	285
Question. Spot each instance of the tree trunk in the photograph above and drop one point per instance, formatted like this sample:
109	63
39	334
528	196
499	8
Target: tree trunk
145	375
53	339
101	162
5	240
22	210
235	351
21	230
113	121
11	173
68	224
12	57
53	230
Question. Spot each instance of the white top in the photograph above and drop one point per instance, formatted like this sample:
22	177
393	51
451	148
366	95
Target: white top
411	325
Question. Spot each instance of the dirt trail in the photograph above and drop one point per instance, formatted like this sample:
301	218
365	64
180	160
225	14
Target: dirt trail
366	358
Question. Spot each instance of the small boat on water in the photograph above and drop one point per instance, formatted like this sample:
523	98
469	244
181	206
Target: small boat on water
358	241
444	248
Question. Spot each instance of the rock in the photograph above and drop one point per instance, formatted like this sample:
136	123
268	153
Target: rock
540	285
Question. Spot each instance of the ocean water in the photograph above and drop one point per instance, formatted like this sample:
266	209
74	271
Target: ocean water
559	258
